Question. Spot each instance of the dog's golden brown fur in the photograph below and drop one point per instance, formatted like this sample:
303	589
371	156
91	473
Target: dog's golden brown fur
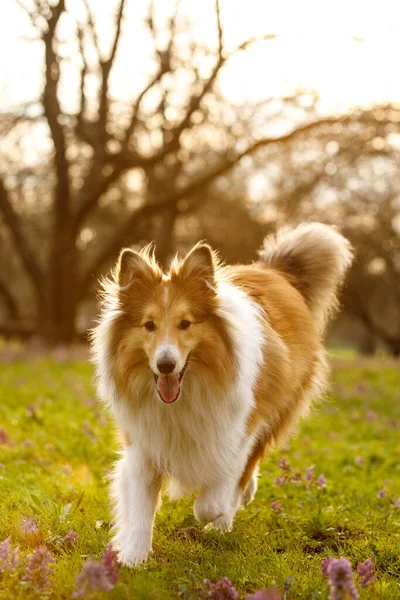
207	366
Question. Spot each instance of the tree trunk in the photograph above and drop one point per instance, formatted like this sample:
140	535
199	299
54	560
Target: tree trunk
58	306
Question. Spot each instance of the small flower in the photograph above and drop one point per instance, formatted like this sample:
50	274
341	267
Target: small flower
28	443
366	571
92	578
264	594
359	460
341	580
4	437
382	493
29	525
70	538
8	557
67	469
280	480
325	564
111	565
397	503
284	465
39	567
276	506
321	482
309	476
221	590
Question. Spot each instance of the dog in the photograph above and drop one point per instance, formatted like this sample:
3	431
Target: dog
208	366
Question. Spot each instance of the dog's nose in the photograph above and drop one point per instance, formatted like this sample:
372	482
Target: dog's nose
166	365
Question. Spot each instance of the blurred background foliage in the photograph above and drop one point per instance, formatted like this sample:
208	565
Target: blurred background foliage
84	171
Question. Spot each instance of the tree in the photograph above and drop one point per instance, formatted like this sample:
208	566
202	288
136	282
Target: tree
347	175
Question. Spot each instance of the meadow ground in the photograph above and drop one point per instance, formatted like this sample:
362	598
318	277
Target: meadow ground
56	446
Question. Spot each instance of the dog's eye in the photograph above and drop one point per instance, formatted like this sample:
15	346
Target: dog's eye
149	326
184	324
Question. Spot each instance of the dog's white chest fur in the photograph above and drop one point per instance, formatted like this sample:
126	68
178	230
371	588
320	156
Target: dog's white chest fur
194	442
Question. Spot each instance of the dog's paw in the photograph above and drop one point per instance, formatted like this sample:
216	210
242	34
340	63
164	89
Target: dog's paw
131	555
222	525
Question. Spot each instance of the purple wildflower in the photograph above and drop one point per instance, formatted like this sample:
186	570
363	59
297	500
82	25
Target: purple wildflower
4	437
366	571
264	594
284	465
29	525
382	493
341	580
221	590
359	460
111	565
8	557
28	443
92	578
309	476
70	538
321	482
39	567
276	506
397	503
280	480
325	564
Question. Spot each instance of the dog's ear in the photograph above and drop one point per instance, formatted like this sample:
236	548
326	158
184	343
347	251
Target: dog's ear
200	263
132	265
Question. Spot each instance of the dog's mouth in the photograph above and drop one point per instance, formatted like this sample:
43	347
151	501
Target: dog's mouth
169	386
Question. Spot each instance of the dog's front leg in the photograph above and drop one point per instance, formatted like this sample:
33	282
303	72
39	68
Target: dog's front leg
135	491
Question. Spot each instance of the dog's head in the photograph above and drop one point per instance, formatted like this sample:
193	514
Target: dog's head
169	324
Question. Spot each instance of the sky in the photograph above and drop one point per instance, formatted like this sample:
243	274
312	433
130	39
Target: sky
346	50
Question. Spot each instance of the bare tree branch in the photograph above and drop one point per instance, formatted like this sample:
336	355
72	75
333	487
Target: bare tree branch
219	28
95	186
106	66
92	29
80	125
13	222
52	113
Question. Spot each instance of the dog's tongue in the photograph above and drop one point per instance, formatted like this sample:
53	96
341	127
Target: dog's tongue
168	387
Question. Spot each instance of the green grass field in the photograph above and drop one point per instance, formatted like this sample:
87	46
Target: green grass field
56	446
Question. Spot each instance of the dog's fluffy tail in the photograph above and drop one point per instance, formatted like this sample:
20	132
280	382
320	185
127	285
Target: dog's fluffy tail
316	257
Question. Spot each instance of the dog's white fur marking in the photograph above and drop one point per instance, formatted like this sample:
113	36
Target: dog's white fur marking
166	438
166	349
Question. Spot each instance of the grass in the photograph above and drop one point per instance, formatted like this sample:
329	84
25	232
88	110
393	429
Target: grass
60	446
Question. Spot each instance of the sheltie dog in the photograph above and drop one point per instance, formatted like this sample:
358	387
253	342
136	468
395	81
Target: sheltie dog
208	366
